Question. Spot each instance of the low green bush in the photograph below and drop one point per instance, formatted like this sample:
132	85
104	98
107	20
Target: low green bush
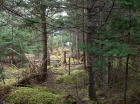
77	77
26	95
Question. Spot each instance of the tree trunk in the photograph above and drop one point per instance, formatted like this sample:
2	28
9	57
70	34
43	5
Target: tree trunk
91	57
127	59
48	58
69	66
109	73
126	80
84	42
65	61
44	38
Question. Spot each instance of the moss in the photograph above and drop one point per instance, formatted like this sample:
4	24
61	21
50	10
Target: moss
77	77
33	96
58	70
46	89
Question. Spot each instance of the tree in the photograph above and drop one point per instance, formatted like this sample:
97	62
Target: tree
44	38
91	57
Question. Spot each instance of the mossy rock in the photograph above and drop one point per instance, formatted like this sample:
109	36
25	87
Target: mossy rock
25	95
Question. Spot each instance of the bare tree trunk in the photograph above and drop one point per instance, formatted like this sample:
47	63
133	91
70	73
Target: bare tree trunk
91	57
65	61
90	68
12	54
69	66
48	58
109	73
127	59
126	80
44	38
84	52
77	47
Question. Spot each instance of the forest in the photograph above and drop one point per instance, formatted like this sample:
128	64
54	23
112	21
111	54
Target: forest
69	52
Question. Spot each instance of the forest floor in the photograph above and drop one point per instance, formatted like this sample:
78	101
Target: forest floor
73	86
56	73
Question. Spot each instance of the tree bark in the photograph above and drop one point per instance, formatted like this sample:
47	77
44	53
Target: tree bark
65	61
127	59
109	73
126	80
44	38
84	52
91	57
69	66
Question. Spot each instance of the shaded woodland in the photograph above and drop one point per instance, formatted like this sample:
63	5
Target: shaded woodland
69	52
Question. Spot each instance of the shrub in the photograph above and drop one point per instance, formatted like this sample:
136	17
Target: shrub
77	77
33	96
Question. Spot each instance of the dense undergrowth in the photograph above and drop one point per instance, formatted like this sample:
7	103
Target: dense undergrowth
69	89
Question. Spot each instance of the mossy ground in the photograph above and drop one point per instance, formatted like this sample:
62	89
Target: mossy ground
36	95
65	85
66	89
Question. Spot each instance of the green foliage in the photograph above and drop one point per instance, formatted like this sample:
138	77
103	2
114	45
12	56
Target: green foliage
111	48
120	35
129	3
14	43
33	96
115	48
